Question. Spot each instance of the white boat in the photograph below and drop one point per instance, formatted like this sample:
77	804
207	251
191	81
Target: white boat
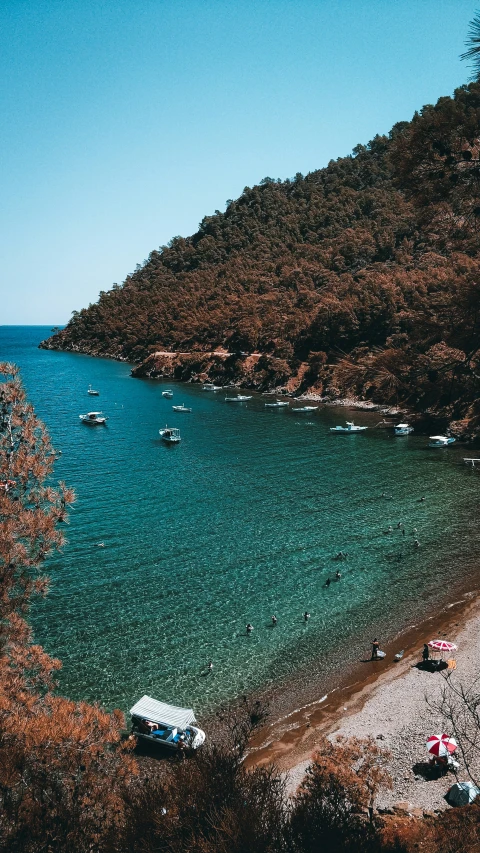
440	440
165	724
403	429
209	386
350	427
240	398
306	409
93	418
181	408
167	394
170	434
278	404
92	392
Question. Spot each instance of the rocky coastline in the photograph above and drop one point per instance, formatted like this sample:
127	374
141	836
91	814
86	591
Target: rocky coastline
265	373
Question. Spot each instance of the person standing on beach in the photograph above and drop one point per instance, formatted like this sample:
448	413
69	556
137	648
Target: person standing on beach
375	648
425	653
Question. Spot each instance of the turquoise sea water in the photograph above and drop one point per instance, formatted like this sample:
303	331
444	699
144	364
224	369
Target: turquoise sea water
239	521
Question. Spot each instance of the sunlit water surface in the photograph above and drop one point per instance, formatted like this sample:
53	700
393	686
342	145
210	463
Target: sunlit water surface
239	521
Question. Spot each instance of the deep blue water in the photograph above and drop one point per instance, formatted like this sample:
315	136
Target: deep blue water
239	521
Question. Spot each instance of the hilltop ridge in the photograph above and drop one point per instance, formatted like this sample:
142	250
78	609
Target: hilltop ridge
359	279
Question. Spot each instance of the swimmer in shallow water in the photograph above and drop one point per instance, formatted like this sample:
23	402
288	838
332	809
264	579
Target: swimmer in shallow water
274	619
328	582
306	616
337	575
249	628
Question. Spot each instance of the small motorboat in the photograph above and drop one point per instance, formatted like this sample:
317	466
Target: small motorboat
306	409
209	386
166	725
93	418
403	429
240	398
440	440
181	408
350	427
278	404
168	394
170	434
92	392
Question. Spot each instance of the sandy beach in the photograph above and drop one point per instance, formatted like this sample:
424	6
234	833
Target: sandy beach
391	702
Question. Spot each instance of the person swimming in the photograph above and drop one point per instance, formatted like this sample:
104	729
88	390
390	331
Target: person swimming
338	575
306	616
274	619
249	628
328	582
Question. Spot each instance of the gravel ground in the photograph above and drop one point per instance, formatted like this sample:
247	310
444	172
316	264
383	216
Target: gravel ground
397	713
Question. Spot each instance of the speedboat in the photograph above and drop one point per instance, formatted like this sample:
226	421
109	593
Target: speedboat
93	418
181	408
92	391
170	434
278	404
440	440
165	724
167	394
350	427
403	429
306	409
240	398
209	386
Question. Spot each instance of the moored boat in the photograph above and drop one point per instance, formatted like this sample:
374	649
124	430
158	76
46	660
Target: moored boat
92	392
93	418
209	386
170	434
181	408
278	404
168	394
350	427
403	429
240	398
440	440
166	725
306	409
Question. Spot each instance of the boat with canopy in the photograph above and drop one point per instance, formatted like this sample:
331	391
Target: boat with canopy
440	440
93	418
170	434
164	724
403	429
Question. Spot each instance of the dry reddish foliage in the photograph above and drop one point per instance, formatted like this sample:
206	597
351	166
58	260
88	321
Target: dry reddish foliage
61	768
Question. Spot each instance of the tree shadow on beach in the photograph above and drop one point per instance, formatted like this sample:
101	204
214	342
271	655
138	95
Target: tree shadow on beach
431	665
428	771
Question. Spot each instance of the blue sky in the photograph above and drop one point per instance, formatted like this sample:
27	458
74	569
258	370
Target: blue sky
126	121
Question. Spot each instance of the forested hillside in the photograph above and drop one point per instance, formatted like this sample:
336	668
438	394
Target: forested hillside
362	278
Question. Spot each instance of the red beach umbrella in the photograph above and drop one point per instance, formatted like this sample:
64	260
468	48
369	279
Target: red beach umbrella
441	745
441	646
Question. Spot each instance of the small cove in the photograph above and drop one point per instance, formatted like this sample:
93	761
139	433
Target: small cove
240	521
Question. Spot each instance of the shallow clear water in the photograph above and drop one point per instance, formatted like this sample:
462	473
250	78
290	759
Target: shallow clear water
239	521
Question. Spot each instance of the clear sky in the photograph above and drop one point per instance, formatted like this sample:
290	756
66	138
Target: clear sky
124	122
